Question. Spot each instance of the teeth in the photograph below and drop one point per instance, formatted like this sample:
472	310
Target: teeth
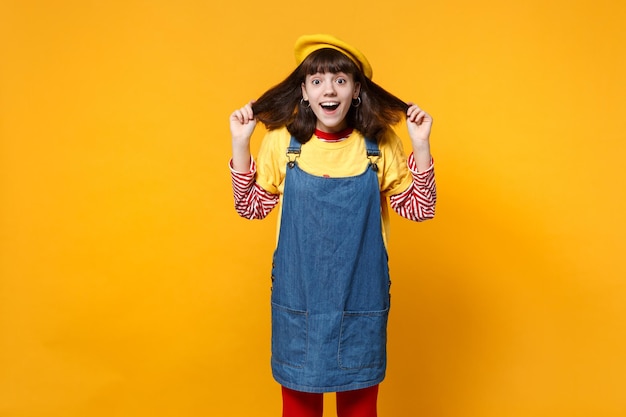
329	104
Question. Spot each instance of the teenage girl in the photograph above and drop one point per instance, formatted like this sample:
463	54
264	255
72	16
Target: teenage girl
331	160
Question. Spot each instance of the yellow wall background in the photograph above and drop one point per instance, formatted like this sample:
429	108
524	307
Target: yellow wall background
129	286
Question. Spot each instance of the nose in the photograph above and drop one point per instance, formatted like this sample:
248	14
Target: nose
329	88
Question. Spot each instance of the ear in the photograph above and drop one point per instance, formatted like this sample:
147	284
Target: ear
357	90
304	95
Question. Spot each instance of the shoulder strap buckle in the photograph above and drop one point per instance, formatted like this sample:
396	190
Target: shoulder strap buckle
293	152
373	153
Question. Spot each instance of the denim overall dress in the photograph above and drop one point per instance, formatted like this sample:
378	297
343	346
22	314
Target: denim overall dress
330	281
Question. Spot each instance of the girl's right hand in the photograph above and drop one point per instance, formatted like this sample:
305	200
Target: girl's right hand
242	123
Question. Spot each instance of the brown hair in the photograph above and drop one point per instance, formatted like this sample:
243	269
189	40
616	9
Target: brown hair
281	105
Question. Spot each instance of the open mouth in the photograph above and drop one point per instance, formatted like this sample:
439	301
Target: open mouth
330	106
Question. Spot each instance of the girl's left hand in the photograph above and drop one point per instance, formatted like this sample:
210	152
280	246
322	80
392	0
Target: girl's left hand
419	123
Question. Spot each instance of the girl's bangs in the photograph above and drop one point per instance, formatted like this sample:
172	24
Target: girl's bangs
328	60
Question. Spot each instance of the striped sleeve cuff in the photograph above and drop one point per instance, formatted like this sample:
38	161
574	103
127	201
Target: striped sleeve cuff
424	178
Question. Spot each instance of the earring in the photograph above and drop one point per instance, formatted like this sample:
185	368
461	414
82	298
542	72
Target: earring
305	103
357	103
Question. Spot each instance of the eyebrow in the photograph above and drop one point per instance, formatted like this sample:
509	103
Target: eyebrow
328	72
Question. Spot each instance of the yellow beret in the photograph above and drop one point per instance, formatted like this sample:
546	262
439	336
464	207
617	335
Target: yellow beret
311	43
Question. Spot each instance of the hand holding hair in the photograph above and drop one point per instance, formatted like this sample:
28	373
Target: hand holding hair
419	124
242	124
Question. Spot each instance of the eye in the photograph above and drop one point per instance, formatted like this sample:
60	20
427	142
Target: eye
341	81
315	82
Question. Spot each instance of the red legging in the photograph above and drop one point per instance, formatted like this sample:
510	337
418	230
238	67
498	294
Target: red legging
357	403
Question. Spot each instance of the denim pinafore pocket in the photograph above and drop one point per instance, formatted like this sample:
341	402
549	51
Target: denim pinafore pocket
289	336
363	339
